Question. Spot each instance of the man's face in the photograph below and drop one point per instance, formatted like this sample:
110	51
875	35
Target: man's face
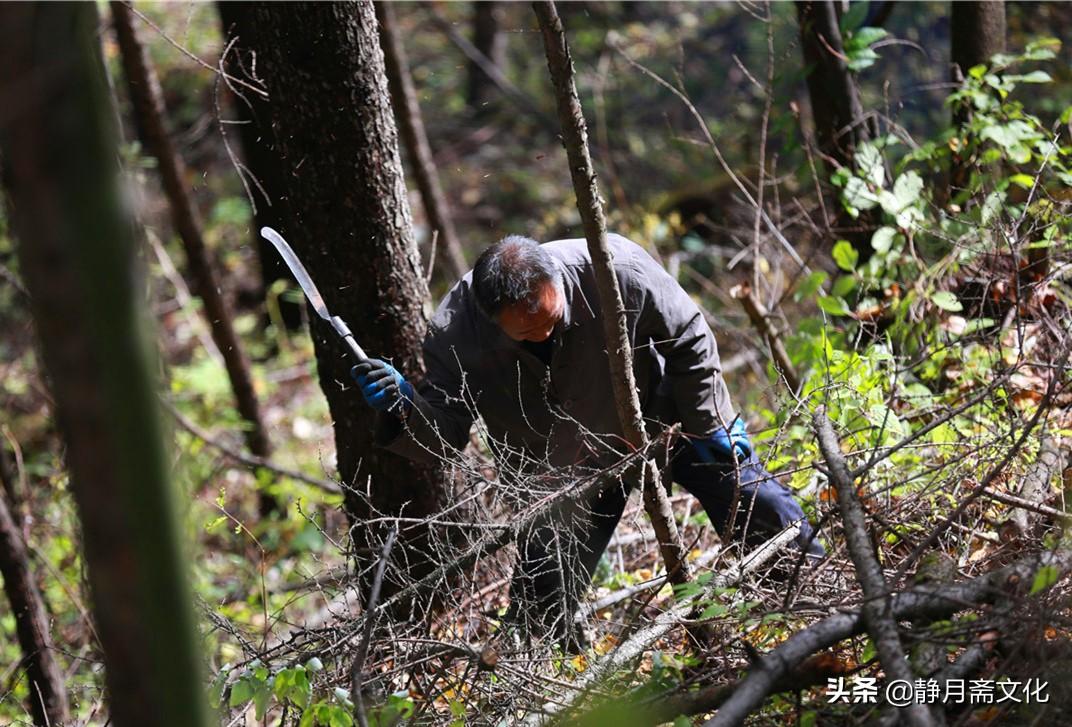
522	324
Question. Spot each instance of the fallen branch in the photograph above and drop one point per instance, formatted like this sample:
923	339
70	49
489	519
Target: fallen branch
935	602
665	707
641	641
876	608
1035	488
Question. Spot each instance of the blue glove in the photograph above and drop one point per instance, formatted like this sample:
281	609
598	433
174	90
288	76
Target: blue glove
723	446
383	387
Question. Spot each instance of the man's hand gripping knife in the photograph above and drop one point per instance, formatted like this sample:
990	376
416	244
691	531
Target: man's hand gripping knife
384	388
724	444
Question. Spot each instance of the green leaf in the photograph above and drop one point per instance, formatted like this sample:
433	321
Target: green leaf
907	188
261	695
1010	136
946	301
241	692
1046	576
867	35
1025	181
843	286
853	17
858	196
882	240
715	610
1033	77
861	59
834	306
845	255
338	717
869	164
810	285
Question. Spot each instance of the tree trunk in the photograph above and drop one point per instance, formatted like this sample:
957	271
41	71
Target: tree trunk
835	107
261	158
48	697
76	252
619	350
351	227
411	126
978	32
835	101
148	106
492	43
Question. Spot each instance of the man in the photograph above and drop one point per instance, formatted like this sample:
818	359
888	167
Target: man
518	341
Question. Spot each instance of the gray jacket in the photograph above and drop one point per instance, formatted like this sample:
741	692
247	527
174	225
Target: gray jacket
564	414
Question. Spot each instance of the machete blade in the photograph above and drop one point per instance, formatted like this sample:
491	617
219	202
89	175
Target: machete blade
307	285
296	267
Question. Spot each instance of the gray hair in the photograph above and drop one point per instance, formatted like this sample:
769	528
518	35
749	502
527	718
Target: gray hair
511	272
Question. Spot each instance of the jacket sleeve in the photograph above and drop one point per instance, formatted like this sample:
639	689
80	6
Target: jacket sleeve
675	326
439	421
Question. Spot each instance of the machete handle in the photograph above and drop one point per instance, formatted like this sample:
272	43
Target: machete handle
344	332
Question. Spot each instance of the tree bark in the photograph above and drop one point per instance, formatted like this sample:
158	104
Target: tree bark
261	158
48	697
76	252
835	101
148	106
619	350
835	107
411	126
978	32
877	608
351	227
487	39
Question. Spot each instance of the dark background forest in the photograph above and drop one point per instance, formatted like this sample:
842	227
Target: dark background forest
868	200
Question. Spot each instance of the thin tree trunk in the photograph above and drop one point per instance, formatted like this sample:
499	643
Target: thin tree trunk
76	252
489	40
835	101
263	170
351	227
835	107
620	352
977	32
48	697
148	106
411	127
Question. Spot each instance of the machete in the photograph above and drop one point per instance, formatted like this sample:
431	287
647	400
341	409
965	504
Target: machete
307	285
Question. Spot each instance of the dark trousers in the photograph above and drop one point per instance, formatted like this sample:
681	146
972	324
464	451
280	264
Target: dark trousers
558	557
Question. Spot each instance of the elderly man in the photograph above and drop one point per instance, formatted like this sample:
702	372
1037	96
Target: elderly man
518	342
